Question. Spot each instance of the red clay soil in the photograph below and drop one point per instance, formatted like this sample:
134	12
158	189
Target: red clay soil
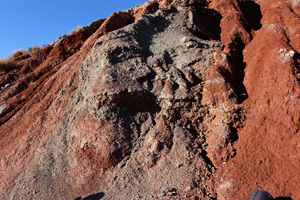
268	148
172	99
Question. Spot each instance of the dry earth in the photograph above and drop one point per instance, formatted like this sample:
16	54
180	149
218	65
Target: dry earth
173	99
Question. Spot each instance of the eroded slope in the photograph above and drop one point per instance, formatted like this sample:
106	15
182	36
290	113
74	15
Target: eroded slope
151	103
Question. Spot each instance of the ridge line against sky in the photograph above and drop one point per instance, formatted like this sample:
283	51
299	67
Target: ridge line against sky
40	22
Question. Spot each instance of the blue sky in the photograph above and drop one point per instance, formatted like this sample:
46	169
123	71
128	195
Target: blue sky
40	22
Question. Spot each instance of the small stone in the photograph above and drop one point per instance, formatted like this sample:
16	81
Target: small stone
184	40
162	194
187	189
189	44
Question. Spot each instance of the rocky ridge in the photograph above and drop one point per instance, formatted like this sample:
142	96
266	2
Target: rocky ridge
168	100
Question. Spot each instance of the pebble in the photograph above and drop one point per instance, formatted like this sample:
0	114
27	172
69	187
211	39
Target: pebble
162	194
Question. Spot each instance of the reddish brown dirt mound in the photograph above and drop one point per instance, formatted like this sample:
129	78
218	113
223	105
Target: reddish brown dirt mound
172	99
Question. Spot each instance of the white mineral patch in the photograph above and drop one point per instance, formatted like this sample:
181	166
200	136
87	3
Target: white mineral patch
226	185
216	80
3	108
286	55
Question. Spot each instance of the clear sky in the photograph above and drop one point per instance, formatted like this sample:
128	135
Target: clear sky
25	23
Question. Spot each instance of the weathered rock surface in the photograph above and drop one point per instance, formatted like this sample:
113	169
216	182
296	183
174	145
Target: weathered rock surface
172	99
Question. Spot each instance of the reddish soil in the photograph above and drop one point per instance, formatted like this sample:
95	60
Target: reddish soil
172	99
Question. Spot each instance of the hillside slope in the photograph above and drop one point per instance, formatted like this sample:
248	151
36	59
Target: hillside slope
173	99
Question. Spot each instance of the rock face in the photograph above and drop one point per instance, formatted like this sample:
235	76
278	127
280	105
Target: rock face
172	99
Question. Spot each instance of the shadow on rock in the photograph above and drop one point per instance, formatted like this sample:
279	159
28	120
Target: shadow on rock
97	196
283	198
